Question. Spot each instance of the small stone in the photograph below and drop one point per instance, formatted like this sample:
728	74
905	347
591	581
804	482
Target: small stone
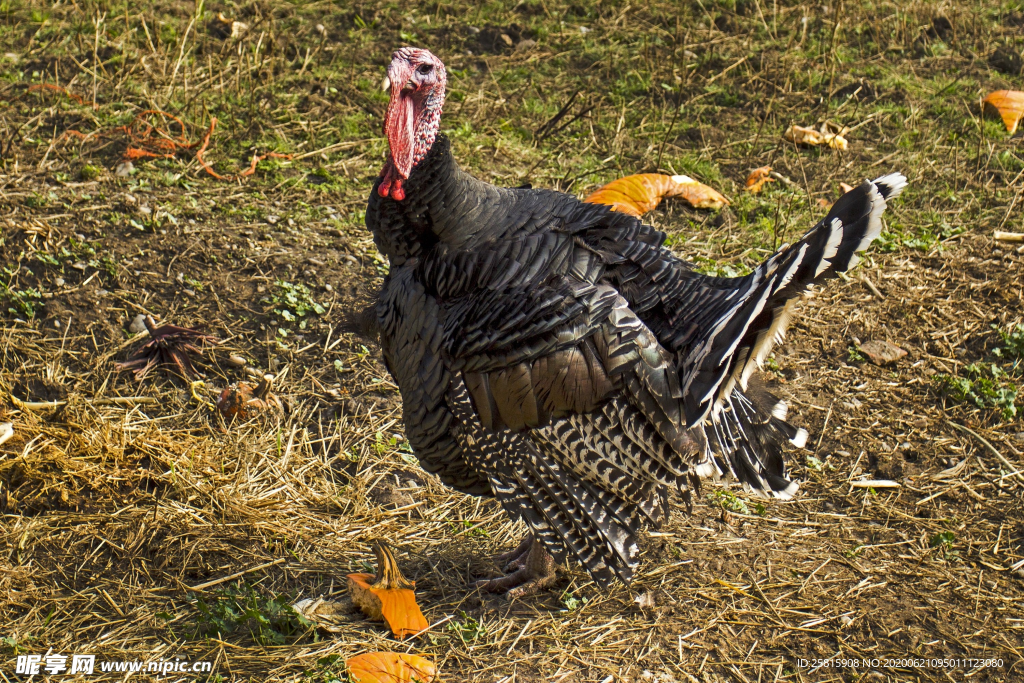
130	200
237	361
138	325
882	352
79	266
845	620
645	600
56	323
315	262
190	292
145	210
60	282
273	219
102	292
525	45
688	54
124	169
328	288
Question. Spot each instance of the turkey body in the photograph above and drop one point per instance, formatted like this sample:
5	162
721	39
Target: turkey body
554	354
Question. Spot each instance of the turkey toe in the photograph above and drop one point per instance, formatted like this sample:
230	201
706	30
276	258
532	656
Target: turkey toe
534	570
515	559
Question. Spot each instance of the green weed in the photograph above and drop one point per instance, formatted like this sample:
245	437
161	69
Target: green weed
329	669
293	302
572	602
1012	348
270	620
943	542
730	501
466	628
984	387
23	302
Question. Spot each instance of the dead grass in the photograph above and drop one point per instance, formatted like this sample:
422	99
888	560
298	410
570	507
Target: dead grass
119	500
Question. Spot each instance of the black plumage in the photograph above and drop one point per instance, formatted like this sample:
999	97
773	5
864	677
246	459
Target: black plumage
556	355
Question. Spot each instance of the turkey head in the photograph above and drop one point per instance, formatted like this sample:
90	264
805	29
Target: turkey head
416	79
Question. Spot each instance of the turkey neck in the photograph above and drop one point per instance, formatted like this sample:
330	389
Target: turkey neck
442	204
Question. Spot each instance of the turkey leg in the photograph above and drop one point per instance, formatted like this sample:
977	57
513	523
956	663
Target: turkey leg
532	569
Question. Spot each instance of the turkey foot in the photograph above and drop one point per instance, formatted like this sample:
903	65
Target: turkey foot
532	569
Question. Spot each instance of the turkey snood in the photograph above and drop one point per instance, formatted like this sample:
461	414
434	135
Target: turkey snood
417	80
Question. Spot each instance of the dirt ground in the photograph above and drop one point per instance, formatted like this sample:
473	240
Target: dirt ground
120	496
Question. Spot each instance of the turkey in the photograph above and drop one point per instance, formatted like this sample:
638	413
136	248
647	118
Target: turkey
555	355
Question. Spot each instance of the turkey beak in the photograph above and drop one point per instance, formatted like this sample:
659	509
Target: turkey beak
386	85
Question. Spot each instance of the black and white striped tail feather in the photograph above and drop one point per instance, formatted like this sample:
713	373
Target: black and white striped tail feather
568	515
561	514
592	459
767	296
751	445
749	442
584	526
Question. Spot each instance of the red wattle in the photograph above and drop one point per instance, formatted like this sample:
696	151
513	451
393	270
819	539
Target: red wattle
398	192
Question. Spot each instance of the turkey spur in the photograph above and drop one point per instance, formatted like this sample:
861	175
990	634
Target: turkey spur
555	355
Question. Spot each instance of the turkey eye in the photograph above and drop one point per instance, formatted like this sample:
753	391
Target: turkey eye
425	68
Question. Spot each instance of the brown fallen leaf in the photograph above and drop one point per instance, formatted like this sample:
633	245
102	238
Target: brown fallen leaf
812	138
640	193
1008	105
167	345
757	179
881	352
388	596
244	400
390	667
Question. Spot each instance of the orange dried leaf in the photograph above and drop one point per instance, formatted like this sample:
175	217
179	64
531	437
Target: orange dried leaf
1008	104
757	179
808	136
389	596
845	188
244	401
638	194
390	667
